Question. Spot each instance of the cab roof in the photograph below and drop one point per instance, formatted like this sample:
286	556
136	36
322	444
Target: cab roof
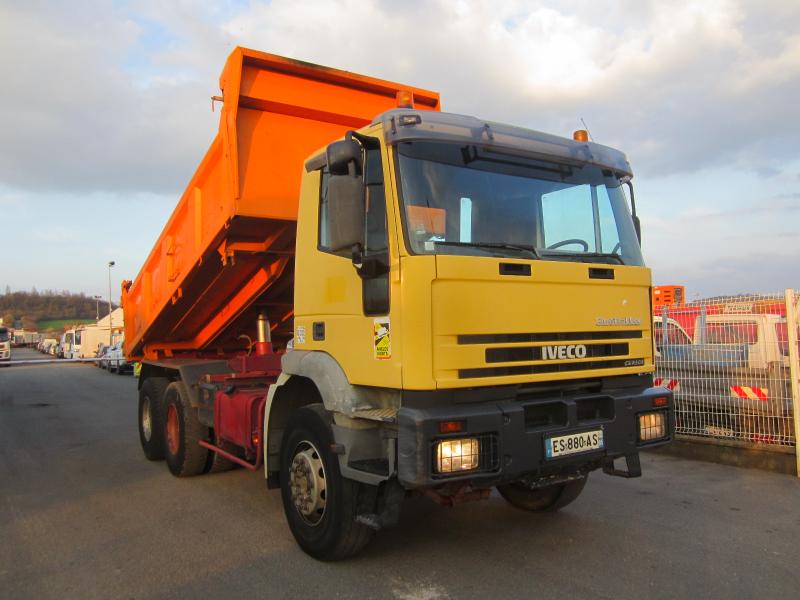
405	125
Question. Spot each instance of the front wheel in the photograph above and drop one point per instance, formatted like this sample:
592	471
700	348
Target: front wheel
320	505
552	498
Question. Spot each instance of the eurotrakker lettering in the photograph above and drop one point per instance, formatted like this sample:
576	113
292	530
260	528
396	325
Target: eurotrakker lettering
615	321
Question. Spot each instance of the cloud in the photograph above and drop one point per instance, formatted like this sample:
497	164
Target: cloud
74	120
759	272
116	97
675	84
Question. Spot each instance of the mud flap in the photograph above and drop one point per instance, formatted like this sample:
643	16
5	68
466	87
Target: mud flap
633	467
388	512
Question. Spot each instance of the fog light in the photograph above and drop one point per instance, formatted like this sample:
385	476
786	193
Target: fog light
652	426
457	455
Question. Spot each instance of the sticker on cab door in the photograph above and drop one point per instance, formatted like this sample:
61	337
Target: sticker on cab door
383	339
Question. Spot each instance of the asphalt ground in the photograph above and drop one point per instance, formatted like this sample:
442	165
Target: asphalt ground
84	515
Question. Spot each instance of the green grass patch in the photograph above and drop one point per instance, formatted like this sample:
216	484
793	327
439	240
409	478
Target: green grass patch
59	324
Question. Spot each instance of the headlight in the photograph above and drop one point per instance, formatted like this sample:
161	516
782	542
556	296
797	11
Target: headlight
652	426
453	456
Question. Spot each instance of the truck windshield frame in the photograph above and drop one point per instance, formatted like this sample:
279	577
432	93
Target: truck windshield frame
467	199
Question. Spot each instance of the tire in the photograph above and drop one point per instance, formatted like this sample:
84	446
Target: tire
330	531
182	432
151	417
549	499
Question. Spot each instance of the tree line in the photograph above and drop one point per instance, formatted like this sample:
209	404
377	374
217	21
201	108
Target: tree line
25	309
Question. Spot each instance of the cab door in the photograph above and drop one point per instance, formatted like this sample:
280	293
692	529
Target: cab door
344	304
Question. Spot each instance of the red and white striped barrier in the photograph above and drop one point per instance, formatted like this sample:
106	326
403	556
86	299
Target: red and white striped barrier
671	384
750	393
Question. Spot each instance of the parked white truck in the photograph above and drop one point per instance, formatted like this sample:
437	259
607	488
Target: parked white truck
5	344
734	370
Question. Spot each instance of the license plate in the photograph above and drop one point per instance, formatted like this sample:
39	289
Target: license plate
574	443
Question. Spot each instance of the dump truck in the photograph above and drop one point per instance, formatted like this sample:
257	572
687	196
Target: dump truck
368	298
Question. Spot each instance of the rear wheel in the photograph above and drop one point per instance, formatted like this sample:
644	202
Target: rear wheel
217	463
552	498
182	432
151	416
319	503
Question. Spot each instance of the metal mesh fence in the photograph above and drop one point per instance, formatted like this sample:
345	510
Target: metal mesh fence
727	360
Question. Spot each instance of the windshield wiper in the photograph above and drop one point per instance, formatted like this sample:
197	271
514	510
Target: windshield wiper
580	255
494	246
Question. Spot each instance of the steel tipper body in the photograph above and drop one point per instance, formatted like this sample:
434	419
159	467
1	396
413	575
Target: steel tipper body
430	303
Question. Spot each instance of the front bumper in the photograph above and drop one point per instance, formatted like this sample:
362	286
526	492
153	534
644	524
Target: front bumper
512	434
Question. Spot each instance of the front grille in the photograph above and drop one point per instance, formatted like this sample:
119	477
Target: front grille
548	368
496	355
564	336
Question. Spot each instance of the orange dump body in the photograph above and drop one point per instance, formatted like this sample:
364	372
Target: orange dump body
227	251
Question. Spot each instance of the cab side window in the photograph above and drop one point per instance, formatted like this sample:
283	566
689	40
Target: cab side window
376	238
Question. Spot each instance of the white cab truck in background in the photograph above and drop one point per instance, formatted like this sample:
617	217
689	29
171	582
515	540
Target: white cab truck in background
5	344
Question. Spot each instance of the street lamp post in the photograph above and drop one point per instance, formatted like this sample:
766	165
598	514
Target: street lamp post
111	263
97	307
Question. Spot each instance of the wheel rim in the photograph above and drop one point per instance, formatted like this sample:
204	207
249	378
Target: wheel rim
147	423
173	430
308	483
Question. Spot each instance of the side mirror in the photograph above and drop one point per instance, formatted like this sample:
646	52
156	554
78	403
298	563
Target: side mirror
344	157
346	196
346	216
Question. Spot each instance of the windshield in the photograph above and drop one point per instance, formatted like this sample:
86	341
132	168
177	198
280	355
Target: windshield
4	337
470	200
732	333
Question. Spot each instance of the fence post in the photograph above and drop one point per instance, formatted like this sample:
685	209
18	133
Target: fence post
794	368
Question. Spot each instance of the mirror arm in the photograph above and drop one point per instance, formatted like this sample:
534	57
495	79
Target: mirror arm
636	223
368	267
633	198
357	253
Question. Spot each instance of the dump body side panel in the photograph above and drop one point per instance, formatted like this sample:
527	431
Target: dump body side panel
227	251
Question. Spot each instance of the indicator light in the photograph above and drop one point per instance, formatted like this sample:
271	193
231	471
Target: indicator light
451	426
405	99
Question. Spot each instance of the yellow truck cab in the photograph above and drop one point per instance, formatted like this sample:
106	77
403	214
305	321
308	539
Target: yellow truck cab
476	292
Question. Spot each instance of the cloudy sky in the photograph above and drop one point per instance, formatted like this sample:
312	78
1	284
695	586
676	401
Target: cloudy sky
105	114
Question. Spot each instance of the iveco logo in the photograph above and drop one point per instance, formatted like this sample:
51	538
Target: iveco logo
615	321
562	352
